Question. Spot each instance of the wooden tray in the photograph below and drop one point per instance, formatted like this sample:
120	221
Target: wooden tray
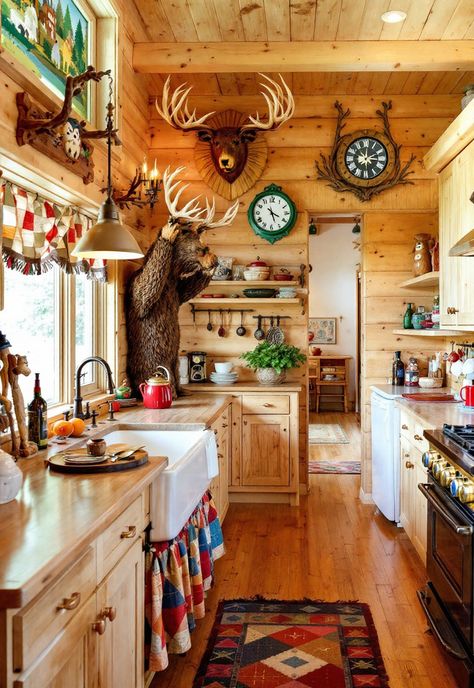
57	462
440	397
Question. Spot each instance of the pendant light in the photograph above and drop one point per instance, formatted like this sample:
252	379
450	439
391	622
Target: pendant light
108	239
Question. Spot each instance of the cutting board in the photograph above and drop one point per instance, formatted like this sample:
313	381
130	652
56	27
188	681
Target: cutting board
58	463
431	398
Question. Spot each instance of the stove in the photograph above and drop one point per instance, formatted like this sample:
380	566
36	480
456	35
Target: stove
448	598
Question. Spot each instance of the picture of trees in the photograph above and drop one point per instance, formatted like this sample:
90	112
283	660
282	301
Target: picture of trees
51	38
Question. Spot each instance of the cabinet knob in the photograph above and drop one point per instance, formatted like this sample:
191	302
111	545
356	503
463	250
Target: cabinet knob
406	455
404	426
418	438
129	533
224	425
409	464
99	626
108	613
220	456
450	310
69	603
267	405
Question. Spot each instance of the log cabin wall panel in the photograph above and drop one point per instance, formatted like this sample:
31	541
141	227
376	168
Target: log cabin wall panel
390	222
133	120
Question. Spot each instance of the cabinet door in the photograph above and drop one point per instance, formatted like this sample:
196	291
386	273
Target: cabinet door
266	451
448	234
120	601
407	479
71	659
421	511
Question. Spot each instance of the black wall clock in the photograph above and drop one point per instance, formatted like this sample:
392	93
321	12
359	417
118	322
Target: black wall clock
365	162
272	214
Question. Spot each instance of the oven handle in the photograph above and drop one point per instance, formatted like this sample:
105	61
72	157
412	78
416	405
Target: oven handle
458	528
451	650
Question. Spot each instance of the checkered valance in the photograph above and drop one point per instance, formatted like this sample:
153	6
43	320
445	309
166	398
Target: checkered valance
36	234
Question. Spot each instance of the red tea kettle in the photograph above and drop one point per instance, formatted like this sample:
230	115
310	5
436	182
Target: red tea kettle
156	391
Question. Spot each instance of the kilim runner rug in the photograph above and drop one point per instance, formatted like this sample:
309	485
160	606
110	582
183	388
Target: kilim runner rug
333	466
327	433
276	644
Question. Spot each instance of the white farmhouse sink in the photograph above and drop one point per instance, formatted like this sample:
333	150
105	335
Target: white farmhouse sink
178	489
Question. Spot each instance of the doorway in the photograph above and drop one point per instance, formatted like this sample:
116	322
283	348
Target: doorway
334	343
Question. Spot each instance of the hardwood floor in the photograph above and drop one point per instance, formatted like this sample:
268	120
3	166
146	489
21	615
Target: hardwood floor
332	547
344	452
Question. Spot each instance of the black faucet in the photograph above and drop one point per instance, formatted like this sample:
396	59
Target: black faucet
78	412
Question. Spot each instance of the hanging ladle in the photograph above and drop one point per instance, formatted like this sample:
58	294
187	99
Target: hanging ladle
209	324
241	330
221	330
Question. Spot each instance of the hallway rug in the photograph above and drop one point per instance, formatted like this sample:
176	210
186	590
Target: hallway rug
277	644
334	466
327	433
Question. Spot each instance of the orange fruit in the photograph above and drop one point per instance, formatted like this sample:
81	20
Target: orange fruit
63	428
79	427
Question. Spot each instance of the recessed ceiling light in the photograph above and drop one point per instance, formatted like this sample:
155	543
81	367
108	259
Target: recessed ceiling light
393	16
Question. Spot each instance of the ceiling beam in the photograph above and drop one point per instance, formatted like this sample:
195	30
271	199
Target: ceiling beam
303	56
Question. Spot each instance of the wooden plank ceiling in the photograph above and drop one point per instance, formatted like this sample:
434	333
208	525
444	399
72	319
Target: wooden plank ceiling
307	20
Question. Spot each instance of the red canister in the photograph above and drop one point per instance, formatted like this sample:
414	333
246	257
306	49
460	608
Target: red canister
156	391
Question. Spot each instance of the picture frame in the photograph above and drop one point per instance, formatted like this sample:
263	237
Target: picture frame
322	330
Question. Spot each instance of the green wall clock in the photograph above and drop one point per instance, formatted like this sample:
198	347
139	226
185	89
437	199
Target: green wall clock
272	214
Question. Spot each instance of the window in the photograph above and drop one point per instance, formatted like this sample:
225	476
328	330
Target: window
55	320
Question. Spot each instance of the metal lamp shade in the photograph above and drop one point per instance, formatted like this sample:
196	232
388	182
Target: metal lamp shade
108	239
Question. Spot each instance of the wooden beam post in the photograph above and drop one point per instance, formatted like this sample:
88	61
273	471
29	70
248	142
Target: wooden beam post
303	56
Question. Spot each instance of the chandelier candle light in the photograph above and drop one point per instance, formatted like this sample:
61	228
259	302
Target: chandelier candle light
108	238
148	180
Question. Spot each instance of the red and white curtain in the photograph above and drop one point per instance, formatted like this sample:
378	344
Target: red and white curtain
36	234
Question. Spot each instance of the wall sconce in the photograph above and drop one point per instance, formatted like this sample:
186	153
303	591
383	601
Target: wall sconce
143	190
312	229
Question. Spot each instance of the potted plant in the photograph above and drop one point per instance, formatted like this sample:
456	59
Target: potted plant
271	361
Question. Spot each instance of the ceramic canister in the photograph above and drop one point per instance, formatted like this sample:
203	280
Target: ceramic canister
11	478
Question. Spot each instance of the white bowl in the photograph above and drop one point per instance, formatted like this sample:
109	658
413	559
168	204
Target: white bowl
256	275
468	366
223	367
430	382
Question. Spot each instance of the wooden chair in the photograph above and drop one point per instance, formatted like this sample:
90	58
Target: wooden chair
320	368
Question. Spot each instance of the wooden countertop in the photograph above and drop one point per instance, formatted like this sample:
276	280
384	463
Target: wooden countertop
242	387
55	515
434	414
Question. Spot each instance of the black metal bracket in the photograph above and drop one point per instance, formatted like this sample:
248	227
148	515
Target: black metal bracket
195	310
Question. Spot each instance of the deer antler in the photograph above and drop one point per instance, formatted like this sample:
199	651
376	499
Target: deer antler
176	112
280	103
192	212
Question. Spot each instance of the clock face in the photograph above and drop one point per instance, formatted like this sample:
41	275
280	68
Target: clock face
365	158
272	214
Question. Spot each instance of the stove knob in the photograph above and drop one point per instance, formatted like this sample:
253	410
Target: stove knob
456	483
438	466
466	492
446	475
428	458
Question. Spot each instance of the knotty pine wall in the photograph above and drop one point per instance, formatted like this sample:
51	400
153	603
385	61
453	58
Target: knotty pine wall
390	221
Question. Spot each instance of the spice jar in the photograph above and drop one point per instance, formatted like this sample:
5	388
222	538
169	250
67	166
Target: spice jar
96	447
412	373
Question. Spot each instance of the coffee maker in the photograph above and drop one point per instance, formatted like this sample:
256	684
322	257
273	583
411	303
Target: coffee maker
197	366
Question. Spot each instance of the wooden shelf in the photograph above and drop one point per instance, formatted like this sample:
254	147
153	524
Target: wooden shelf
253	283
242	300
429	333
429	279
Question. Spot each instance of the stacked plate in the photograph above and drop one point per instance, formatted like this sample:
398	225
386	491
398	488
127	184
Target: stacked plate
286	293
224	378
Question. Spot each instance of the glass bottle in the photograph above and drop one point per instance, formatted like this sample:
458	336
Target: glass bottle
407	323
38	417
398	370
412	373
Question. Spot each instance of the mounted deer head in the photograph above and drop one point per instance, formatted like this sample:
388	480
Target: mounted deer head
229	145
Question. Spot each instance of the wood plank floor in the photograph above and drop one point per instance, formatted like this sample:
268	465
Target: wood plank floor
332	547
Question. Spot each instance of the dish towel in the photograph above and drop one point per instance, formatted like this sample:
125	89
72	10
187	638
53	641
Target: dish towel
211	455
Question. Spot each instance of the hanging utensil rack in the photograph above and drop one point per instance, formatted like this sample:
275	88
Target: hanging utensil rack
195	310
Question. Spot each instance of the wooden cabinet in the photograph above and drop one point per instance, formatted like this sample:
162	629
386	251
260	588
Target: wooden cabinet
266	450
219	486
453	157
85	630
413	507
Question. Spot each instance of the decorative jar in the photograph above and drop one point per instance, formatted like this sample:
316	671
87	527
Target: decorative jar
11	478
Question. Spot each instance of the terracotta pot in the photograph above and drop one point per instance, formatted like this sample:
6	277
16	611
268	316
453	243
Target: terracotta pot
269	376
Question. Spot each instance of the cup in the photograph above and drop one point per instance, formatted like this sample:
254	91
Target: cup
223	366
468	396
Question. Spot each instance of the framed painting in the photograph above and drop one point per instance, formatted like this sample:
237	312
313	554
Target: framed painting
322	330
51	39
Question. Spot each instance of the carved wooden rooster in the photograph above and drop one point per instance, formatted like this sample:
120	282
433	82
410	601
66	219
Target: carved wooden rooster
176	268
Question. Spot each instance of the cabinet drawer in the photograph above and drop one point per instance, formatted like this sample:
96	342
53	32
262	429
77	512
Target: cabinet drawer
119	536
37	624
258	403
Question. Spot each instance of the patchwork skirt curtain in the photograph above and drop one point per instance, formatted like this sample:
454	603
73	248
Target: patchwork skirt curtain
178	574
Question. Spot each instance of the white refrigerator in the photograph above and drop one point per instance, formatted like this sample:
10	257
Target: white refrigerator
385	416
